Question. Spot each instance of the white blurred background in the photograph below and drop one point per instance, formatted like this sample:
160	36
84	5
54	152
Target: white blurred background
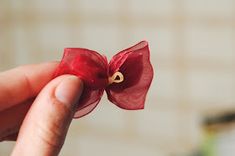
192	46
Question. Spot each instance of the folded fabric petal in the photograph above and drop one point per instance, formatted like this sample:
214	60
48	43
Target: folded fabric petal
92	68
126	78
134	64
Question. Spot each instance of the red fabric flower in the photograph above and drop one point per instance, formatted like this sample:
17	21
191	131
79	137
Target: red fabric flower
126	78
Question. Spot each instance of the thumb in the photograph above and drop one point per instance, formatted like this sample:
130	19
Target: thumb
45	126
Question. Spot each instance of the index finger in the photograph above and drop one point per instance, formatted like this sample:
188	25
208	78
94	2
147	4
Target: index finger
21	83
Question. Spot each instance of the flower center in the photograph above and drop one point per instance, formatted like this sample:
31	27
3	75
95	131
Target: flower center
116	78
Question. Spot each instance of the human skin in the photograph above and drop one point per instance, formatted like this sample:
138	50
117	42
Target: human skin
35	109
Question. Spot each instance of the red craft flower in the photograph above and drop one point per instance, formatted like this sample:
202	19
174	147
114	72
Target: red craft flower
126	79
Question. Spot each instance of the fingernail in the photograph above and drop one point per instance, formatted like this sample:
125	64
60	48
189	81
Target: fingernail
69	90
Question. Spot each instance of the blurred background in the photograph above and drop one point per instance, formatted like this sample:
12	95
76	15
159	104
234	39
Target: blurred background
190	107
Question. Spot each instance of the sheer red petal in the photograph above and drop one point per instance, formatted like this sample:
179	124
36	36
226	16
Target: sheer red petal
92	98
92	68
134	64
128	91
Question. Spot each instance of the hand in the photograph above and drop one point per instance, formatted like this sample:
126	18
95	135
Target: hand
36	110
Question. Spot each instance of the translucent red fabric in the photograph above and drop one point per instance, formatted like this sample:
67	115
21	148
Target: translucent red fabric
126	79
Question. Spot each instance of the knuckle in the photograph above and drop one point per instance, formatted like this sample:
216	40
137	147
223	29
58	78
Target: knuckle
50	137
53	128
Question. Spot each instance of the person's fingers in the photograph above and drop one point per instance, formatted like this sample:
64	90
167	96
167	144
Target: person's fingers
12	118
18	87
45	126
21	83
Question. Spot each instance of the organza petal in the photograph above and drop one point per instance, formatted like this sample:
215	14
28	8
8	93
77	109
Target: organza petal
130	93
90	105
92	68
134	64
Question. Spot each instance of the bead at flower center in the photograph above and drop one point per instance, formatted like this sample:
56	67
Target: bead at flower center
116	78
